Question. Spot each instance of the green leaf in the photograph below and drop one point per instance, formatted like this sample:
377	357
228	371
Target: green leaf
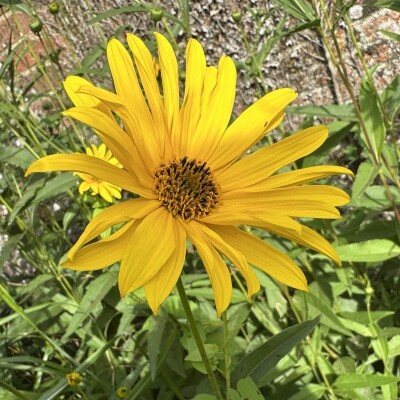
232	394
14	393
312	391
41	189
33	186
391	98
54	186
205	397
370	251
372	117
392	35
299	9
391	166
8	247
344	365
248	390
154	340
17	156
195	358
375	198
366	173
117	11
95	293
344	9
364	317
302	27
355	381
328	317
391	4
342	112
266	356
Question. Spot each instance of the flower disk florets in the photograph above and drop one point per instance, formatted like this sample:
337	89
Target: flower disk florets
186	188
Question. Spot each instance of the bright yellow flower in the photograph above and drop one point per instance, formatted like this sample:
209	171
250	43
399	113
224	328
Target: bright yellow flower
106	190
184	162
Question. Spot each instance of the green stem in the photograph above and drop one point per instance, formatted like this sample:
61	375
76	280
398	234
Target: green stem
197	338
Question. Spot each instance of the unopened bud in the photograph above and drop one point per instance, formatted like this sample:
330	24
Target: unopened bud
369	291
236	16
36	25
122	392
156	14
54	7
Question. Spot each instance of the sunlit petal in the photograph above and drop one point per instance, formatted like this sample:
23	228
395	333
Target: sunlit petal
215	266
116	214
149	249
103	253
264	162
264	256
160	286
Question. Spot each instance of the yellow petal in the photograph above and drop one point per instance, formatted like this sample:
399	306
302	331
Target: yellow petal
251	126
116	214
216	269
264	162
71	86
109	131
326	194
170	83
104	193
93	166
216	112
290	207
103	253
144	64
149	249
160	286
114	191
124	76
191	106
264	256
308	238
235	215
83	187
148	149
128	87
298	177
236	257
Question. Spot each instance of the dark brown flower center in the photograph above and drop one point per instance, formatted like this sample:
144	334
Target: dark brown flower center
186	188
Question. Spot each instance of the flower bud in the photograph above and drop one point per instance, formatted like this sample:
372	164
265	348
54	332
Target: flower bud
122	392
156	14
369	291
54	7
36	25
236	16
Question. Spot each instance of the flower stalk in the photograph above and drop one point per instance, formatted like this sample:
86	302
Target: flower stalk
197	338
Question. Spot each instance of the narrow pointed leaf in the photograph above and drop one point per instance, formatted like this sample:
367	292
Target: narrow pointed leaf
257	363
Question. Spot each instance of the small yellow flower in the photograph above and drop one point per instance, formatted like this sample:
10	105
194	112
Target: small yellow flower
192	176
74	378
122	392
106	190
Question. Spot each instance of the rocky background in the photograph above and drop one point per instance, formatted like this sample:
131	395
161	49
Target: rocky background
296	60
